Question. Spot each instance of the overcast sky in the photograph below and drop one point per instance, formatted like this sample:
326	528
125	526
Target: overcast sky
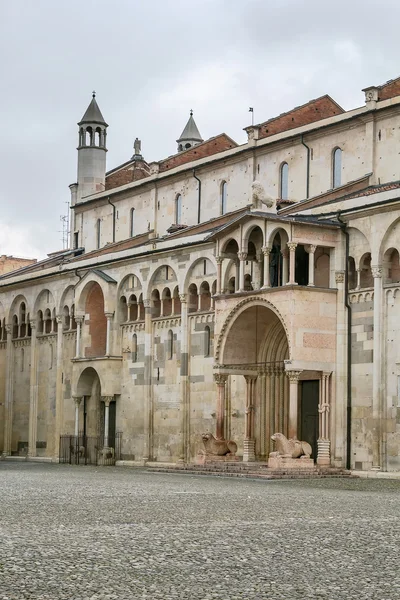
150	63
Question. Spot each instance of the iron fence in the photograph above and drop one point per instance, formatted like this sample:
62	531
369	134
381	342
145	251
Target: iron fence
90	450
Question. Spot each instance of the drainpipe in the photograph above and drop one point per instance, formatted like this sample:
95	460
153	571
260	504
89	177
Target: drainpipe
308	166
199	196
114	209
349	322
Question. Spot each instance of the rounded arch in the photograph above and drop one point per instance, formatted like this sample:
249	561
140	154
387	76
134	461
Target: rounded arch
162	276
223	197
67	299
283	231
230	247
194	271
253	233
272	316
390	239
366	279
14	308
86	379
391	266
337	154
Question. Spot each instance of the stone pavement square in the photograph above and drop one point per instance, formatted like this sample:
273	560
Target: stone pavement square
80	533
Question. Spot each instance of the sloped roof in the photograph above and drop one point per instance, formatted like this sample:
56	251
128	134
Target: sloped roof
93	113
190	132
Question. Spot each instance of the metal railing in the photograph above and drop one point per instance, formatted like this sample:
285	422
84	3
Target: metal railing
90	450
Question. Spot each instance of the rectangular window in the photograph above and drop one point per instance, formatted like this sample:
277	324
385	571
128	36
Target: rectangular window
76	239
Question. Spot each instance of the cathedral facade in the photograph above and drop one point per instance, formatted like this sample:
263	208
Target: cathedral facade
241	290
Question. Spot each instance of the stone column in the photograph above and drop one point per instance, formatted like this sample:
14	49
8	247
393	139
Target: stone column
59	387
9	392
184	378
311	252
148	341
377	368
106	400
293	402
285	266
79	321
292	260
267	280
220	380
249	442
242	258
237	276
219	274
172	305
262	413
323	442
109	317
358	285
33	394
77	400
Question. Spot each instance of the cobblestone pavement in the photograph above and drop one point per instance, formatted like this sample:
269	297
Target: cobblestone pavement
80	533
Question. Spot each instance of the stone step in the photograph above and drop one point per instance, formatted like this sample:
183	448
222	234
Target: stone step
260	473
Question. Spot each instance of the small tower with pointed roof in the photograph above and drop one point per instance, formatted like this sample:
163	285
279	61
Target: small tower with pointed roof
91	151
190	136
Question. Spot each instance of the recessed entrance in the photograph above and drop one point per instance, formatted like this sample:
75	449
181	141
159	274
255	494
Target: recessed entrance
309	416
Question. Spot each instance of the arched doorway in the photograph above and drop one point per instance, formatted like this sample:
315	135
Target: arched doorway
251	356
95	439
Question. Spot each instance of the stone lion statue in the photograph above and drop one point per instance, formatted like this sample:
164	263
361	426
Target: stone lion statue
218	447
290	448
258	196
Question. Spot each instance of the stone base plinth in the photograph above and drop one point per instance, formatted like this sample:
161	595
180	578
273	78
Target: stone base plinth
249	450
324	452
279	463
206	459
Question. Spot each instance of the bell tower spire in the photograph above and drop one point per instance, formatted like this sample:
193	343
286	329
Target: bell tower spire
92	150
190	136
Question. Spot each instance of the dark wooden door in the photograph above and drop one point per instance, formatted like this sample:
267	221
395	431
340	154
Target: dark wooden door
309	414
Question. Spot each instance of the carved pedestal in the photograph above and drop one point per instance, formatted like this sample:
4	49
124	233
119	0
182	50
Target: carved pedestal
249	450
206	459
324	455
280	463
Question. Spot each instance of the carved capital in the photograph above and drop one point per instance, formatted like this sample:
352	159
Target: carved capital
322	408
266	250
77	400
219	260
376	271
79	319
109	315
339	276
32	323
183	298
8	328
147	303
310	248
107	400
292	246
293	376
59	319
220	379
242	255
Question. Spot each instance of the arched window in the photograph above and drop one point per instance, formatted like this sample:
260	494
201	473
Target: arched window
284	181
98	233
170	344
337	168
178	209
223	197
207	341
134	348
132	222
